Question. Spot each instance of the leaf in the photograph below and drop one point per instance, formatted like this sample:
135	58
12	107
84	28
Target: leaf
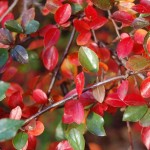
145	121
103	4
51	37
90	12
99	93
95	124
9	16
134	113
3	88
139	36
32	27
20	54
147	43
50	58
64	145
3	57
76	139
79	81
140	9
20	140
63	13
13	26
124	47
123	89
146	137
76	8
73	112
88	59
137	63
5	36
39	96
16	113
9	128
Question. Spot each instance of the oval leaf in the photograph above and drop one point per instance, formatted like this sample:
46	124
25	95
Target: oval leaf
20	140
134	113
95	124
76	139
16	113
145	121
146	137
88	59
9	128
3	88
3	57
13	26
20	54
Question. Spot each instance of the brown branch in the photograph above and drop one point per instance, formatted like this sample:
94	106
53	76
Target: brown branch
9	9
72	97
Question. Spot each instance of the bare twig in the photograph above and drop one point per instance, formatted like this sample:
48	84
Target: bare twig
94	36
72	97
130	136
9	9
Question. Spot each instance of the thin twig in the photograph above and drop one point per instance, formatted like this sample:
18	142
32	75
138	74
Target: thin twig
130	136
9	9
72	97
94	36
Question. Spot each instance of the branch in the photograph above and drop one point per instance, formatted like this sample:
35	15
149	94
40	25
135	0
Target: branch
72	97
9	9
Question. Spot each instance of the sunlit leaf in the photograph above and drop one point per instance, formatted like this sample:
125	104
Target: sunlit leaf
3	87
146	137
16	113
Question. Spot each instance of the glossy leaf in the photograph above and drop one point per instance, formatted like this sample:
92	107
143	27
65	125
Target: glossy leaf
50	58
73	112
79	81
139	36
137	63
9	128
3	57
13	26
146	137
134	113
16	113
19	54
76	139
51	37
32	27
20	140
63	13
64	145
95	124
90	12
125	46
5	36
103	4
39	96
3	88
9	16
88	59
140	9
145	121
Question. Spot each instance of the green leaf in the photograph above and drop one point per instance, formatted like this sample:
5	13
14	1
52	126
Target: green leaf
137	63
20	140
76	8
32	27
13	26
134	113
88	59
103	4
76	139
95	124
145	121
3	56
9	128
3	87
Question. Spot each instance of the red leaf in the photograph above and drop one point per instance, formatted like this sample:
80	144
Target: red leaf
145	88
90	12
123	89
64	145
51	37
31	142
16	113
139	36
39	128
73	58
146	137
15	100
125	46
79	81
140	8
114	100
123	17
39	96
63	13
138	48
83	38
50	58
145	3
9	16
73	112
134	100
77	1
4	7
81	26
